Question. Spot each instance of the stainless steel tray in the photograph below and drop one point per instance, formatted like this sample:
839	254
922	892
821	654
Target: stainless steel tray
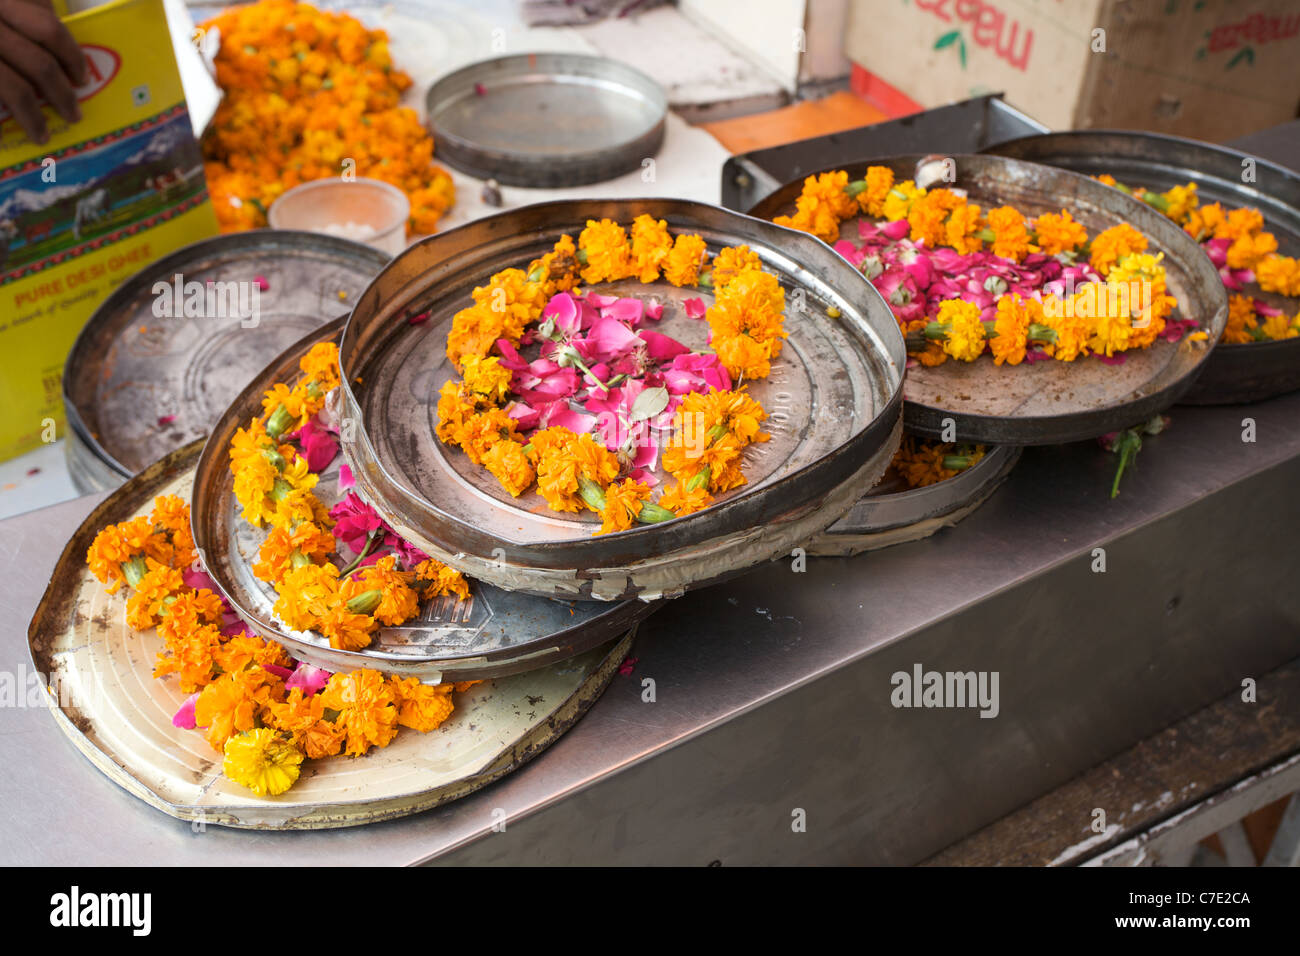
834	399
493	633
1050	402
546	119
137	385
1247	372
119	716
883	518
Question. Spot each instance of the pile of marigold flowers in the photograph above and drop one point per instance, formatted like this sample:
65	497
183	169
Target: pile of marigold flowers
306	90
920	462
258	707
1243	252
583	421
964	281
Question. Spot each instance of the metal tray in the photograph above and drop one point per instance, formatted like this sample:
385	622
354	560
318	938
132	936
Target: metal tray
1051	402
965	127
109	705
884	518
137	385
1246	372
493	633
546	119
833	396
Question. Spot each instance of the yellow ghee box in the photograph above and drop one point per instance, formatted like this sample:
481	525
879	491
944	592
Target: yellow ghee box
101	199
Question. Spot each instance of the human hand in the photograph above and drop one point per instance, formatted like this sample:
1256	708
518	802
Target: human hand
38	60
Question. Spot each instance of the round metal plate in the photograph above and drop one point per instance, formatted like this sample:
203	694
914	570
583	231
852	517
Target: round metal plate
138	384
886	517
1050	402
833	398
492	633
546	119
106	700
1247	372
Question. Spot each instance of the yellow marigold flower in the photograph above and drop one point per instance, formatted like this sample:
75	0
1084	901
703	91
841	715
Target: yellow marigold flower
1248	250
249	443
1181	201
609	256
559	267
263	761
486	377
1202	223
744	357
420	706
1241	320
1011	328
1072	328
932	355
622	505
822	206
899	200
305	595
281	394
880	180
439	579
1279	327
1280	274
1107	179
1010	233
1111	317
651	244
965	340
114	546
397	602
483	430
961	228
682	502
1056	234
146	603
1113	244
253	484
683	265
237	653
454	409
507	463
276	554
732	261
501	309
321	365
367	709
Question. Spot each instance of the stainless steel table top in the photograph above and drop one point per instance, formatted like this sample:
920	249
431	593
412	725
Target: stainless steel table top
713	655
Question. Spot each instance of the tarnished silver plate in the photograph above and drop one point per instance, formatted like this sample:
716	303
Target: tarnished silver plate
833	398
1050	402
889	516
492	633
546	119
1247	372
106	700
153	368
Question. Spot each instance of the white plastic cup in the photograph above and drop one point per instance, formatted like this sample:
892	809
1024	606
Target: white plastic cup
365	210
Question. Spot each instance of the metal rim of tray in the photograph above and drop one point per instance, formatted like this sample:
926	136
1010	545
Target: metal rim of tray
1171	369
105	699
429	497
566	628
460	140
121	444
876	514
1235	372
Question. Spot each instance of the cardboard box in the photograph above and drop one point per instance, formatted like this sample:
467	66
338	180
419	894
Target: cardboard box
1209	69
96	203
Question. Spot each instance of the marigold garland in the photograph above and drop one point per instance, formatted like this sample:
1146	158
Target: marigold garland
574	472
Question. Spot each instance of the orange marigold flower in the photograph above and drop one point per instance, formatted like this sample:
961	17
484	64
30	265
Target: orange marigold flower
282	545
682	502
234	702
732	261
1238	223
880	180
1248	250
305	595
1241	320
482	431
485	379
929	213
397	602
822	206
188	610
684	262
1056	234
189	655
454	409
304	719
145	605
239	652
440	579
557	271
651	244
367	708
345	629
421	707
321	365
507	463
1010	233
1011	328
114	546
1113	244
609	255
622	505
1280	274
1204	222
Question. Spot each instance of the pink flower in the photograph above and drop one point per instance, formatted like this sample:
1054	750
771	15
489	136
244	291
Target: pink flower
694	308
309	677
417	319
165	420
654	309
354	521
262	284
627	666
184	718
318	445
631	311
662	348
608	339
346	478
283	673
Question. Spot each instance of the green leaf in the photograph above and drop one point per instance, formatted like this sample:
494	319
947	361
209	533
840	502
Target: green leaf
947	39
961	50
649	404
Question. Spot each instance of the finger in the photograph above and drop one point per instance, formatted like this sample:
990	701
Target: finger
18	95
41	70
43	26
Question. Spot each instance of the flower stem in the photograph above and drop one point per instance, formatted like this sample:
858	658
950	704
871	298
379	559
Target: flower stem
591	493
372	539
365	602
278	421
134	570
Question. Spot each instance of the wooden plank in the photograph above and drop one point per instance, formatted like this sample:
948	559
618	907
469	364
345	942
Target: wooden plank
832	114
1164	775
